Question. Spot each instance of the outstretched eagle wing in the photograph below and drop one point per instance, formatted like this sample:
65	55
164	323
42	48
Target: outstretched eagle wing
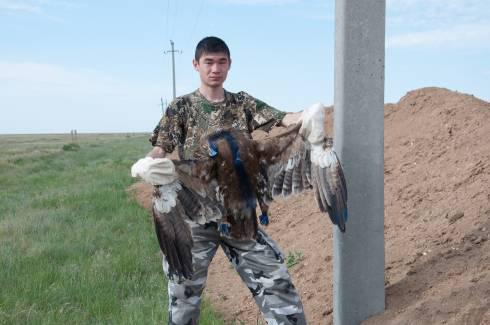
175	239
189	197
329	185
295	165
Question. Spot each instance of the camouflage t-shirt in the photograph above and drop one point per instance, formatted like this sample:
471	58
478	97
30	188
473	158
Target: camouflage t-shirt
189	117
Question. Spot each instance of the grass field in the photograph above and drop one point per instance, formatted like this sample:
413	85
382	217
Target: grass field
74	248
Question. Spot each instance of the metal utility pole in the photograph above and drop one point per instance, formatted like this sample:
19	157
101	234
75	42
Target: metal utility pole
359	139
173	64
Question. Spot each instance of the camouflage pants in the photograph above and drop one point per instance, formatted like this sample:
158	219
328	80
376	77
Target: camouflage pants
259	263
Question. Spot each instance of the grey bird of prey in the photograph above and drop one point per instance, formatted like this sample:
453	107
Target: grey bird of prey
235	176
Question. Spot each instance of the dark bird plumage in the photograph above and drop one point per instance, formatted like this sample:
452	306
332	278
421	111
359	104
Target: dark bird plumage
235	174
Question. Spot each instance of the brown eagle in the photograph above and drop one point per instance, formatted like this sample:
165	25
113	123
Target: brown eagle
235	176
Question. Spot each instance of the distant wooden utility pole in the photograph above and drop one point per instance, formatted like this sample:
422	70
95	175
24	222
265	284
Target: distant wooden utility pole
163	106
173	63
74	136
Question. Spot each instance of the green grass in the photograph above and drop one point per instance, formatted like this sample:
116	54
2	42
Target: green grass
293	258
74	248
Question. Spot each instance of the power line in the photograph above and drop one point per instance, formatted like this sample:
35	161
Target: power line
167	18
175	18
193	30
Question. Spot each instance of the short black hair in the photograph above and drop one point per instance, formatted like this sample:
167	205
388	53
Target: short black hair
211	44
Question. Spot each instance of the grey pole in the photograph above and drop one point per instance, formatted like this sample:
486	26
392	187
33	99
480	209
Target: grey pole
173	65
359	139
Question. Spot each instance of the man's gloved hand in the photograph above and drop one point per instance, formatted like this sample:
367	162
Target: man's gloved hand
156	171
313	123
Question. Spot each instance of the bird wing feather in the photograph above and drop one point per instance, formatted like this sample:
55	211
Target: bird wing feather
294	165
174	237
285	156
188	198
330	185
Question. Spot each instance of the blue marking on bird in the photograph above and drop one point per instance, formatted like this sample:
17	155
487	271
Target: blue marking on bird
212	148
244	181
264	219
224	228
341	219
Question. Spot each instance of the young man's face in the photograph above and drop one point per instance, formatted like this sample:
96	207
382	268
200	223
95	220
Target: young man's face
213	68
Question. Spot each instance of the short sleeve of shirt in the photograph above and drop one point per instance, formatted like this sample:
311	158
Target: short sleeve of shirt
264	117
154	135
171	128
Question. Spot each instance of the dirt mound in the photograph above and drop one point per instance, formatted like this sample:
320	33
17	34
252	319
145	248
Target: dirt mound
437	209
437	221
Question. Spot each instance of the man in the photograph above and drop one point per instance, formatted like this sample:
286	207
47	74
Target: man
259	262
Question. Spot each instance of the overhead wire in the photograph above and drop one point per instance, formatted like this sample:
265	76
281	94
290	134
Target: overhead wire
193	30
167	19
175	18
167	31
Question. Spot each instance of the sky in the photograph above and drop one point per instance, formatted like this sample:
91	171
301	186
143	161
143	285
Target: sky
101	66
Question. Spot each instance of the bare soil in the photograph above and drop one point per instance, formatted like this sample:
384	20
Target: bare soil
437	222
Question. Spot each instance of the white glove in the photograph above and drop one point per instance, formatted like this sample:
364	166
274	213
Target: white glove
156	171
313	125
